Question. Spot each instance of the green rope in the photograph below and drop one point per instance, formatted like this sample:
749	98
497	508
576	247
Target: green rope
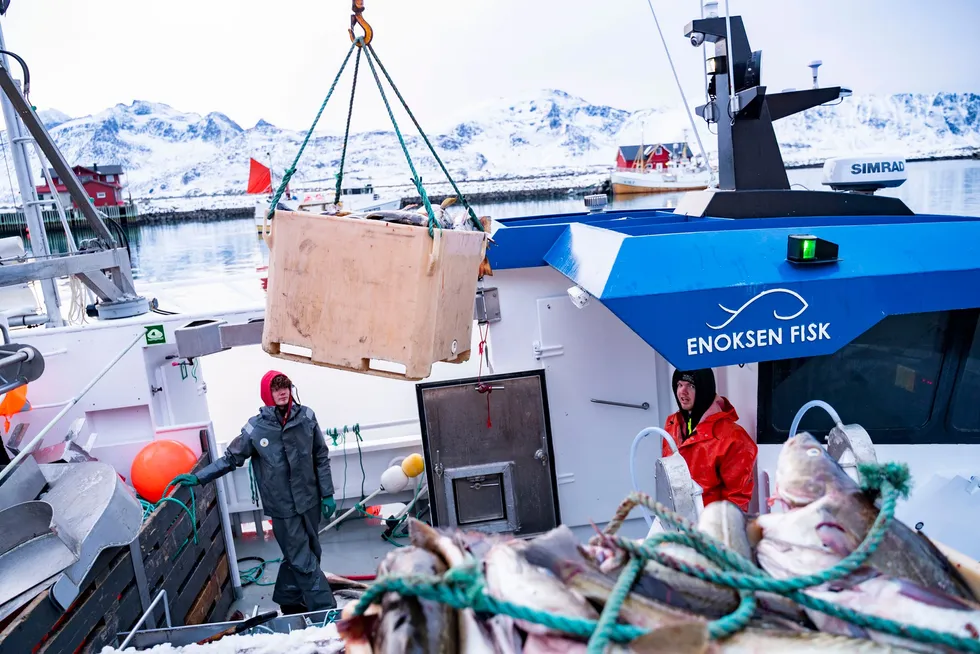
425	138
252	484
343	494
464	587
415	176
608	619
350	113
254	574
891	479
360	456
191	510
292	169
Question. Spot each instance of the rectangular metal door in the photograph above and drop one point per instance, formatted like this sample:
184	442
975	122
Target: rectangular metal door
499	477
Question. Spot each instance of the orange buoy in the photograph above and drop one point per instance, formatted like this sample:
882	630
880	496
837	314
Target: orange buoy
157	464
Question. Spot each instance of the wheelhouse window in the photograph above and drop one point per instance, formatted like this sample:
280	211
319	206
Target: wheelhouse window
965	410
886	380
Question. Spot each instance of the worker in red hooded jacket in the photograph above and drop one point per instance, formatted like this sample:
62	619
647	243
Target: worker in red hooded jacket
719	453
292	471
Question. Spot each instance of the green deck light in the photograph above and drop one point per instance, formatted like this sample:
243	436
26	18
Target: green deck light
808	249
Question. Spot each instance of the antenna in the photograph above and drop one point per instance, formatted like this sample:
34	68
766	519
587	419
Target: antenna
814	65
687	108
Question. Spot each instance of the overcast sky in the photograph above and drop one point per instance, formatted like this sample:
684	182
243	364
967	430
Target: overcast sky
253	59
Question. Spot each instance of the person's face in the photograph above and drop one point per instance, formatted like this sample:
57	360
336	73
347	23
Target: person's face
280	396
685	395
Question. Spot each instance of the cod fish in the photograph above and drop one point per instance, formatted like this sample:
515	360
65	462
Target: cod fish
677	632
693	639
724	522
805	472
511	578
356	631
558	552
410	624
418	218
473	639
809	539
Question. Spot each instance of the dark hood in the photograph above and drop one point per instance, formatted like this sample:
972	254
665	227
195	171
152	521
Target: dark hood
704	392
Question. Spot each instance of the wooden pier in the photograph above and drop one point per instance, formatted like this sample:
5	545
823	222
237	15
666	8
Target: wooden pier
12	222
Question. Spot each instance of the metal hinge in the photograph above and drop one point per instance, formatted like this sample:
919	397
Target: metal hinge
545	351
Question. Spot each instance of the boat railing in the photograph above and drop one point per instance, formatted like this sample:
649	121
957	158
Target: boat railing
376	455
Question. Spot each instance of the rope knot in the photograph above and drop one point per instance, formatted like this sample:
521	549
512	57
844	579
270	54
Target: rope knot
467	580
876	477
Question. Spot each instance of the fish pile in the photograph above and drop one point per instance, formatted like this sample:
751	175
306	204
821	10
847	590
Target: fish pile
827	516
416	215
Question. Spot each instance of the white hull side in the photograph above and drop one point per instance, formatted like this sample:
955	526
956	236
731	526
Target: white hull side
624	182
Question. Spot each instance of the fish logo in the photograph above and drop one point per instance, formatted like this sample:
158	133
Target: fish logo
735	313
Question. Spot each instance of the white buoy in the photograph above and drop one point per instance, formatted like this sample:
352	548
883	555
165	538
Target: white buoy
394	480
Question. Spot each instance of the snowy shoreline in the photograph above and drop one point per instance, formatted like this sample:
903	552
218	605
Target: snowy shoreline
509	189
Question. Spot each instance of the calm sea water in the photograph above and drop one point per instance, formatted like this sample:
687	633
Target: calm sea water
188	251
193	254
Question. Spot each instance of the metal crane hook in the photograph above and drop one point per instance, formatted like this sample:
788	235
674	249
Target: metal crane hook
356	18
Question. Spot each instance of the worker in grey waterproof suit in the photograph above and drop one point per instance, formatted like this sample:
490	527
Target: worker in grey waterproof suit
292	471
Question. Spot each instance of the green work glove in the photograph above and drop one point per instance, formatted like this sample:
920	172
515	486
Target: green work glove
328	506
186	480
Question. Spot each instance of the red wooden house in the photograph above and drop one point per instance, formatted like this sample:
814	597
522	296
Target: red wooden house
102	183
652	156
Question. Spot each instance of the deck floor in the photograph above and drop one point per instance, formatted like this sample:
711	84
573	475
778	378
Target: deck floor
355	549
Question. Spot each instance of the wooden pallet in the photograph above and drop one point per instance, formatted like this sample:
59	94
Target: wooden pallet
195	577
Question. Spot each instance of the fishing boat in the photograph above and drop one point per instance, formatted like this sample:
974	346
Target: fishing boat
840	299
658	168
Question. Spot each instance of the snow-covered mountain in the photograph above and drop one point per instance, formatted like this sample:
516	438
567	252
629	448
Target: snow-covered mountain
169	153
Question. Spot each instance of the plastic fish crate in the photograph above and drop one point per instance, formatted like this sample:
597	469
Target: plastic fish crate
358	293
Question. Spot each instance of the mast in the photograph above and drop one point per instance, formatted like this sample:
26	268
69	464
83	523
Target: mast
102	265
37	236
752	180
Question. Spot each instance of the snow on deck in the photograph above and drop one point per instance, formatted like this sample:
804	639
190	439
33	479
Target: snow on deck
312	640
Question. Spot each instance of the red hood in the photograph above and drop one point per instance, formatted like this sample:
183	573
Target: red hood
720	408
265	389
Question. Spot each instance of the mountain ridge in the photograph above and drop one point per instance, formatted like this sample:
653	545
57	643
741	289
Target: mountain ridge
169	152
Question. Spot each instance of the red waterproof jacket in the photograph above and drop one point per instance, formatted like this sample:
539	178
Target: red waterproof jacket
720	454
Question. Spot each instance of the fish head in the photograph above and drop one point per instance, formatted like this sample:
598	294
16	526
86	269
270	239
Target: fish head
805	472
806	539
358	631
411	560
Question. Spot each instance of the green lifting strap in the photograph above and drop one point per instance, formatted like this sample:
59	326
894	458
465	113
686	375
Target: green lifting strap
425	138
372	57
415	176
350	113
292	169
